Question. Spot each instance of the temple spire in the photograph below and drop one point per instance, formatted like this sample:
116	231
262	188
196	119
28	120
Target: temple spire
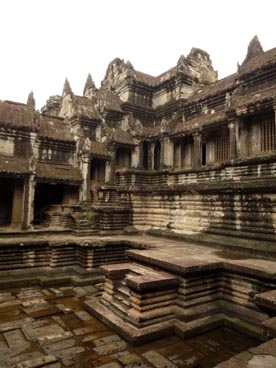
254	49
67	88
89	87
31	100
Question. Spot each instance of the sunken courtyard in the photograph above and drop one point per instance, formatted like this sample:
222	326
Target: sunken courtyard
138	221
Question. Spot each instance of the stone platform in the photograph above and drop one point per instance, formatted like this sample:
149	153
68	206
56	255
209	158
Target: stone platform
208	287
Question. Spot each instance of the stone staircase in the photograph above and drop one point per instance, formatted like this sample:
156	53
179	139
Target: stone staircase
58	216
79	219
113	211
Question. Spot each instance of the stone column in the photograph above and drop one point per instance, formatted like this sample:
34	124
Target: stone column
197	150
151	155
88	179
162	154
86	167
112	165
107	172
141	156
28	203
232	140
178	156
167	148
17	204
135	157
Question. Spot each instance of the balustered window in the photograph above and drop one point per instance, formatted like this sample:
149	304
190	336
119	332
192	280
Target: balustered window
97	172
267	135
222	149
123	158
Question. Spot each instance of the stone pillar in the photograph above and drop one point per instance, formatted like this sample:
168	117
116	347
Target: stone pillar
167	148
88	179
17	205
162	154
28	203
197	150
178	156
151	155
85	192
107	172
135	155
112	165
232	140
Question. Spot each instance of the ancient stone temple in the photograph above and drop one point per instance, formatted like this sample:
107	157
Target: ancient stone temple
159	190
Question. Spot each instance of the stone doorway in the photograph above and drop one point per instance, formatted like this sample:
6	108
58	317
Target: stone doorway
46	195
97	170
6	201
157	153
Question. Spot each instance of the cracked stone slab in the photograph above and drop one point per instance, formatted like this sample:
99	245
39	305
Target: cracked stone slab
29	295
131	360
110	348
9	353
24	357
7	326
32	302
50	339
35	307
107	340
158	360
14	338
35	324
44	312
90	337
69	351
34	333
37	362
60	345
85	330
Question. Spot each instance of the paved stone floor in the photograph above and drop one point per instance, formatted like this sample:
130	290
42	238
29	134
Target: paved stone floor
48	327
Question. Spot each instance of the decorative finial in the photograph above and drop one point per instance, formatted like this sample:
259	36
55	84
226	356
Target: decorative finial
67	88
31	100
254	49
181	60
89	87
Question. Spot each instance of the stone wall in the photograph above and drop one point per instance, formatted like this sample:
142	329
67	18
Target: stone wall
190	213
234	200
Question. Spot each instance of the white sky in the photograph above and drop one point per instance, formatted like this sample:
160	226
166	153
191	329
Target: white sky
44	41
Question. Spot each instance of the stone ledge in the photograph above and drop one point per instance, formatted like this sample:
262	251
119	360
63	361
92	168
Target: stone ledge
266	300
132	334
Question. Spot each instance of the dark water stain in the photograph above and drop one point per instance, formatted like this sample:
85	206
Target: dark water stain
230	255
